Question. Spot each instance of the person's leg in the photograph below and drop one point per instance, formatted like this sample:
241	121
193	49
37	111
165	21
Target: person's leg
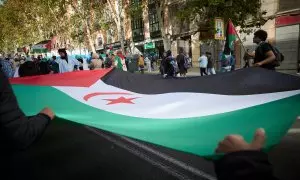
213	71
204	71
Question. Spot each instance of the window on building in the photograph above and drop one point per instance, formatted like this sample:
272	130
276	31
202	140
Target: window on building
137	25
154	22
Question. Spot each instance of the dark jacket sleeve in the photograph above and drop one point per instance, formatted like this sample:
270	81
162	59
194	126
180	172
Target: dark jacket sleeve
244	165
17	130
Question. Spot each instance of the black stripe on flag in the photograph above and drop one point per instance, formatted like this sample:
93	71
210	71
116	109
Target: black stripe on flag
240	82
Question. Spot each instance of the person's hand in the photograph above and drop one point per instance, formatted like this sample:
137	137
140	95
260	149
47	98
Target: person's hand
48	112
258	64
234	143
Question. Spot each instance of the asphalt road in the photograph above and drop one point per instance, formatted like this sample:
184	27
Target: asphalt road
71	151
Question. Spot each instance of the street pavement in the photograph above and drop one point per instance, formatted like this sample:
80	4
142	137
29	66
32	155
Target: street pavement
195	71
71	151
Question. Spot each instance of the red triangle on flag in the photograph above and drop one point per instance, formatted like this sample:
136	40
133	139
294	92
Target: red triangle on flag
77	79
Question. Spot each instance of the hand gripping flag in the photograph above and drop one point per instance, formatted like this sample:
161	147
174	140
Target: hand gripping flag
190	115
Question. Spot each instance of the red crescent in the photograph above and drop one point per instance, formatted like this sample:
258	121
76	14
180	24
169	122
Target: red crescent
88	96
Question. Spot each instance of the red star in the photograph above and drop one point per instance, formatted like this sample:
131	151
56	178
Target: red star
120	100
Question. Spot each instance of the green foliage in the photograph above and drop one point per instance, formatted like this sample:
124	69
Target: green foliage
24	22
243	13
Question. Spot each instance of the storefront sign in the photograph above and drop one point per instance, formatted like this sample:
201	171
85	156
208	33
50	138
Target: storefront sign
150	45
287	20
219	29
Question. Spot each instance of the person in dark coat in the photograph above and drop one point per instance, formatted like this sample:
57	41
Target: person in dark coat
181	60
29	68
16	130
242	160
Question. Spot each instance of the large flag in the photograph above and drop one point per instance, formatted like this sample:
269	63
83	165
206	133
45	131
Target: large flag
190	115
230	36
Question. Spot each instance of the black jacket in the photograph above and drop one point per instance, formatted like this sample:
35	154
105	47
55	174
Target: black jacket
16	130
244	165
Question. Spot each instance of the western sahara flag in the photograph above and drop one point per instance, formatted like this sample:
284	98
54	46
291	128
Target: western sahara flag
190	115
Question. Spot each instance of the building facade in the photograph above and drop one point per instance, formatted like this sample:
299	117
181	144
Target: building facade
143	33
283	29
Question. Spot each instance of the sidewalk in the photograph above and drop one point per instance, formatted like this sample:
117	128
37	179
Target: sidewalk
195	71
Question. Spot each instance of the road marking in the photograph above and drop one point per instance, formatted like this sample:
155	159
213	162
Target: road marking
171	160
141	155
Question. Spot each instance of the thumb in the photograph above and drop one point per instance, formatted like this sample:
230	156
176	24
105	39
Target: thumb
259	138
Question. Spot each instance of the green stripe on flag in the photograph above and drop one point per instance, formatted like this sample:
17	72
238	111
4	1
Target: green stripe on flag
199	136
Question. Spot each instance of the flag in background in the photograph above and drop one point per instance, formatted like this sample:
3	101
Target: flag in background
175	113
230	36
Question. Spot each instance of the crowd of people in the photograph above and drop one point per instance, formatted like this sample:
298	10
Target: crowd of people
265	56
21	66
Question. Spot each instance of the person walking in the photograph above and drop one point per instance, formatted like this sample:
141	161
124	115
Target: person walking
210	64
203	61
148	62
96	62
141	64
264	56
182	61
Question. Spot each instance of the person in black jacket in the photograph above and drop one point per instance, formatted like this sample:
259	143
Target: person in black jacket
243	161
16	130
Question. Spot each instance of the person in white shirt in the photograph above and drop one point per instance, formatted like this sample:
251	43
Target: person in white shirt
148	62
203	61
66	63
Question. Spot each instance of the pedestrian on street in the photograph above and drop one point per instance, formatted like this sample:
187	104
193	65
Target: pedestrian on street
182	61
264	56
66	63
7	66
226	60
120	61
54	66
96	62
203	61
148	62
141	64
210	64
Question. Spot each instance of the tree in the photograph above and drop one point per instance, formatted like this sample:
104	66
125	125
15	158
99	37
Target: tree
161	6
87	16
117	11
243	13
25	22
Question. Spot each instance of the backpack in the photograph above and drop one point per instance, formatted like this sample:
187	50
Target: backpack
279	56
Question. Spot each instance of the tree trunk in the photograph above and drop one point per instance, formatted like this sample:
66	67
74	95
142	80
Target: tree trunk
121	35
166	39
89	37
120	24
